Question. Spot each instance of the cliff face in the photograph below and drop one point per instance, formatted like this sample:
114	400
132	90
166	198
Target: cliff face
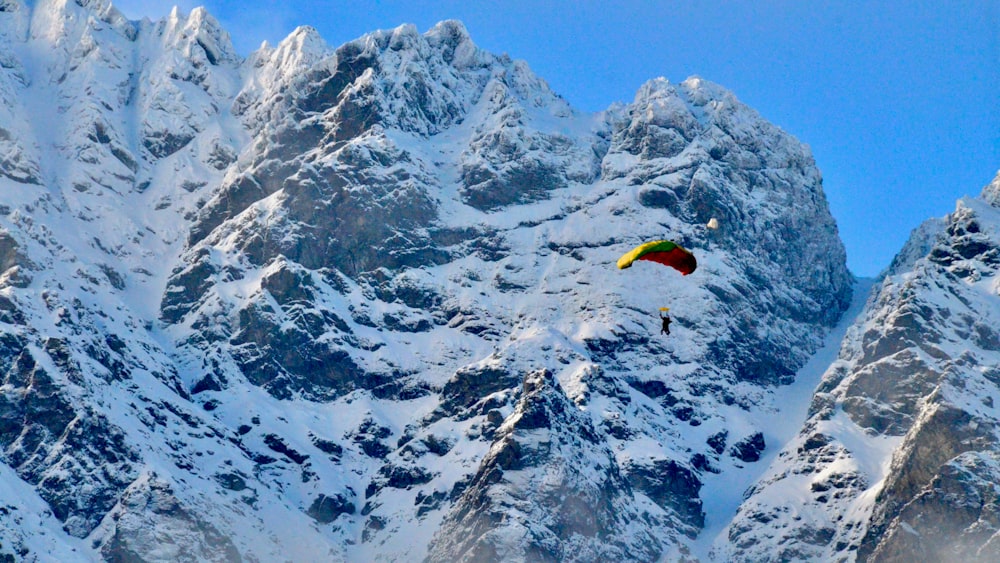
897	460
361	302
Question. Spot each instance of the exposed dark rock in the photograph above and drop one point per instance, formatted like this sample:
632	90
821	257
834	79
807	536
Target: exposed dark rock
373	525
428	503
186	287
655	390
352	61
438	446
606	351
9	252
369	437
221	156
287	360
326	508
289	286
207	383
942	436
276	444
658	198
231	481
10	313
815	441
334	449
672	486
397	477
162	144
717	441
471	384
748	449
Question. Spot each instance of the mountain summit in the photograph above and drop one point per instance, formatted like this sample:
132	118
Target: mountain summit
362	304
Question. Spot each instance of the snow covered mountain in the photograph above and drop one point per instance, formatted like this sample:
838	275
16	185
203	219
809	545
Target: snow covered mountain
362	304
898	460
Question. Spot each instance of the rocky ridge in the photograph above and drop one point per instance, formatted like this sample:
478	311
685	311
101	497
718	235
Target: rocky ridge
897	460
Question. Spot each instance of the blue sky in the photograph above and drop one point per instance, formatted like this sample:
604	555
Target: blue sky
899	100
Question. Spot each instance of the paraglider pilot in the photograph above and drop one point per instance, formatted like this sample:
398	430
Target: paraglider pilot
665	317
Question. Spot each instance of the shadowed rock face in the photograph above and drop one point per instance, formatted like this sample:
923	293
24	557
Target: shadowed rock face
578	513
77	460
672	486
326	509
150	518
954	517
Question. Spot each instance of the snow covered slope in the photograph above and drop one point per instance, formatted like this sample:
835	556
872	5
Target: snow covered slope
362	304
898	459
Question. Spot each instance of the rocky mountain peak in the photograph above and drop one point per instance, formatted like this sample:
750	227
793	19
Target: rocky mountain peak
199	37
64	23
991	193
302	46
455	44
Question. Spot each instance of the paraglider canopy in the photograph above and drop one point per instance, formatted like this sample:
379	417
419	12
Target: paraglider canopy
664	252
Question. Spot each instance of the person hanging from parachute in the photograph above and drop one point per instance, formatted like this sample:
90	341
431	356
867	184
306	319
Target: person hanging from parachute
665	317
665	252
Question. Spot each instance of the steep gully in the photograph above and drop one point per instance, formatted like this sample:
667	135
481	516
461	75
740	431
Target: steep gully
723	492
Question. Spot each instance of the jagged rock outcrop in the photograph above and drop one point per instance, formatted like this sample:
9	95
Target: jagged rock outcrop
549	489
150	524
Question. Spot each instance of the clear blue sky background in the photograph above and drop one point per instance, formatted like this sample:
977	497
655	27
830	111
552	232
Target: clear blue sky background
899	100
